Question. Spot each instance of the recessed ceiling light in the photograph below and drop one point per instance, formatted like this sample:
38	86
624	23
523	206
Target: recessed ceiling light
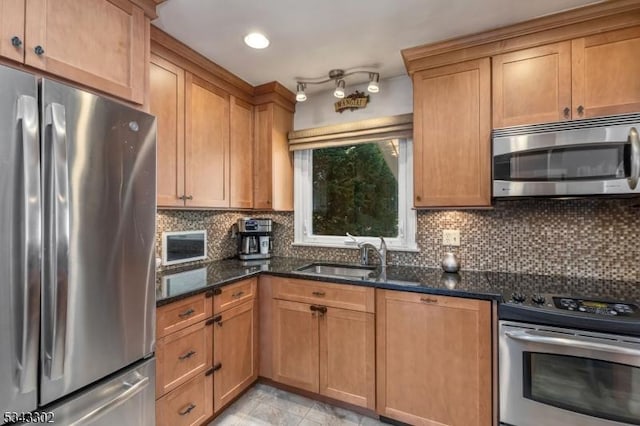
256	40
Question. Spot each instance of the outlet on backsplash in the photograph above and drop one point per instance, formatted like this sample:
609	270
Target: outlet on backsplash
451	237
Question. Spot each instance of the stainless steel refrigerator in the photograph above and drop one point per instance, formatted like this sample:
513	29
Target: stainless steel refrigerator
77	258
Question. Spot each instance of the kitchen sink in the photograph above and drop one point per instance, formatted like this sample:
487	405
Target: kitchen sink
335	270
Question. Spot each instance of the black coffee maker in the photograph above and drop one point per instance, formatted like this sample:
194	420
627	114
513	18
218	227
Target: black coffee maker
254	238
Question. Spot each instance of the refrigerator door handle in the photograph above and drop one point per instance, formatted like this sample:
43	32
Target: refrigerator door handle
127	391
27	328
57	247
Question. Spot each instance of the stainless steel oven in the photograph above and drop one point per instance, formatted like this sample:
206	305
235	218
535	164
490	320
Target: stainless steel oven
557	376
599	156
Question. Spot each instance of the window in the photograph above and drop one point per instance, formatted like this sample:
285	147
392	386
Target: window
363	189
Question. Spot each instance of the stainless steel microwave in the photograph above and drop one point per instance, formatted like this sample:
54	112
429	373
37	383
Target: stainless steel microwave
183	247
598	156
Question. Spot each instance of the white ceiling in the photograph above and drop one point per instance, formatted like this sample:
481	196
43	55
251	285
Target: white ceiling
308	38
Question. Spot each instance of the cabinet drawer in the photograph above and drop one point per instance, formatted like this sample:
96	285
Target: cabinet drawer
234	294
183	355
343	296
190	404
183	313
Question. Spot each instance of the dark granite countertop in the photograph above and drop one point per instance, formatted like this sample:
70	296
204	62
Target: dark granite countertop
177	283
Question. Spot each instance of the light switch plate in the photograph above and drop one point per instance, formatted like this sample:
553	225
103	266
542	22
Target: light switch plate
450	237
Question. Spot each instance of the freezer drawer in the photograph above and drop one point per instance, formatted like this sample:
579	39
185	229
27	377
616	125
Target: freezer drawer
128	399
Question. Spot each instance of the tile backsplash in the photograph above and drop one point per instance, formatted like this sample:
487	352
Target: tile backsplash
580	238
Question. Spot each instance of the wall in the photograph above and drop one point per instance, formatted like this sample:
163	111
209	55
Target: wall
580	238
395	98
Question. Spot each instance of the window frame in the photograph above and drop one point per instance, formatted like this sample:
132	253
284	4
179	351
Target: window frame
303	204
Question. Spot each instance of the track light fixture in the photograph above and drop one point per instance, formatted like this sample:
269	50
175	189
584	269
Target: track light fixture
337	75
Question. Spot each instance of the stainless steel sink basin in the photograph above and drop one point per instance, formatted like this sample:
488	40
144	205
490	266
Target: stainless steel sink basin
333	270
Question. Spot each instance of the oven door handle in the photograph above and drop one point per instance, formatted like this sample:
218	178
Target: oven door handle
570	342
634	141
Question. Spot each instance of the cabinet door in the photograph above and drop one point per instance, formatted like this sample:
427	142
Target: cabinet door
235	344
295	345
262	186
605	70
347	356
109	56
433	359
206	144
167	104
532	85
273	162
12	25
241	154
452	125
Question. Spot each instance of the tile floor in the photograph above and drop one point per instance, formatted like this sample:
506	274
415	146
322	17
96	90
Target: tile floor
266	405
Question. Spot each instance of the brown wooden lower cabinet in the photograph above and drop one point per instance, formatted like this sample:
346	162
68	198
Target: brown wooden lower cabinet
433	359
295	345
326	350
189	405
235	352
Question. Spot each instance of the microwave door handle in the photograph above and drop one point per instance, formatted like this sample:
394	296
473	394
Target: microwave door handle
57	229
568	341
27	116
634	141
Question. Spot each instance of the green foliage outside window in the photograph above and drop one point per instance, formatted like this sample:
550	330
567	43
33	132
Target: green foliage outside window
355	190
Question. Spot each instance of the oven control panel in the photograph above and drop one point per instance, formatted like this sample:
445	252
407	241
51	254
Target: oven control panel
595	307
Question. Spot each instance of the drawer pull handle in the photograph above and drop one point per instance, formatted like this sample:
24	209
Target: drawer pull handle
187	355
217	367
321	309
238	294
187	313
318	293
187	410
429	300
218	319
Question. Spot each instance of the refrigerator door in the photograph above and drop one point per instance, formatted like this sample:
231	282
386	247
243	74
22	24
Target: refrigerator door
128	399
19	241
98	273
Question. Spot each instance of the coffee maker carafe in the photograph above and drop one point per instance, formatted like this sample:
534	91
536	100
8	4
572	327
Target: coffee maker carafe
254	238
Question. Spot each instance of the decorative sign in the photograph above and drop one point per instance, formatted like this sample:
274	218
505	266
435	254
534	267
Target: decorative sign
352	102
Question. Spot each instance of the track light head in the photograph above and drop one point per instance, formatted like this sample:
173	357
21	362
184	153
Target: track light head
374	79
300	95
339	92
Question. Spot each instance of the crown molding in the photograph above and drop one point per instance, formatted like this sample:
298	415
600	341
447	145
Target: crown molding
274	92
606	16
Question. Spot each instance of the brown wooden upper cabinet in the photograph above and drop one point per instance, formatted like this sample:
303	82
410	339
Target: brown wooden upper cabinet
109	55
452	125
206	179
433	359
532	85
12	29
273	163
205	141
581	78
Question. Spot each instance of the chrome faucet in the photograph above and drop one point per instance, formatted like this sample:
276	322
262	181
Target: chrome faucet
381	252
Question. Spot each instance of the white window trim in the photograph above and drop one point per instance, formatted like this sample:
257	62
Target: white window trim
303	206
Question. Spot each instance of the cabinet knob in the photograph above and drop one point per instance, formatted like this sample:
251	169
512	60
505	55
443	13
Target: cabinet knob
580	110
567	111
418	198
39	50
16	41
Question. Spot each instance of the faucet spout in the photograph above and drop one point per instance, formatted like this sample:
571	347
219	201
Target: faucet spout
381	252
